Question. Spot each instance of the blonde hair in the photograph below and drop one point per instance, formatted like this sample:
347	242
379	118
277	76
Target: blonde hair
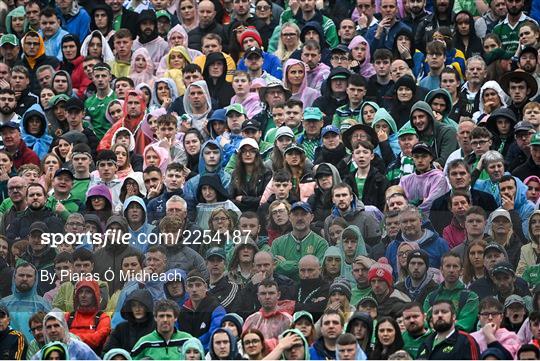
281	52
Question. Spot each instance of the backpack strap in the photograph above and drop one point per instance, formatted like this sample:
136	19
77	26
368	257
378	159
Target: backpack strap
70	319
463	298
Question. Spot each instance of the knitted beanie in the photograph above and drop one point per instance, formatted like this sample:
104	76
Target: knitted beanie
251	33
341	285
382	270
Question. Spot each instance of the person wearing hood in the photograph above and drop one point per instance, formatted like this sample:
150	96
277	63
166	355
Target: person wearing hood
215	72
295	80
177	36
111	256
24	300
16	22
491	97
55	351
165	342
198	105
361	326
61	83
241	266
210	162
175	61
175	285
192	349
351	246
529	252
420	280
443	15
34	57
74	19
211	195
137	310
313	31
135	212
115	353
223	346
34	131
87	321
242	85
148	36
441	105
157	156
51	32
439	137
501	124
335	95
134	109
58	332
105	22
326	177
385	127
142	67
404	49
292	345
361	52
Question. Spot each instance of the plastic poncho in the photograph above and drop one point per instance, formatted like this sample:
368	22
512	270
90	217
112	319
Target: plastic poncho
367	70
306	94
147	75
106	52
175	74
142	231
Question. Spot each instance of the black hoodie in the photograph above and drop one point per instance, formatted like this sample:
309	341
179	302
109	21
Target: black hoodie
431	23
127	333
213	181
221	91
147	15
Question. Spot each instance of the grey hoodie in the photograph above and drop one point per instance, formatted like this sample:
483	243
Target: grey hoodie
198	120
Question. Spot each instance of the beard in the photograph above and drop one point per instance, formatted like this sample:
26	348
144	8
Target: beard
442	326
6	110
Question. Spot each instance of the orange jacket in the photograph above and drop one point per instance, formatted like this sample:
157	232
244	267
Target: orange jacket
83	321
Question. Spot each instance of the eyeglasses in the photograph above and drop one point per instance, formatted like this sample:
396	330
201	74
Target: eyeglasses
339	58
248	151
488	314
220	219
37	328
263	8
252	342
289	35
479	143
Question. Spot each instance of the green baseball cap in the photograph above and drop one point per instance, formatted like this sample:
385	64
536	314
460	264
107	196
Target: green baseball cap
235	108
163	13
313	113
9	39
298	315
57	99
407	130
535	139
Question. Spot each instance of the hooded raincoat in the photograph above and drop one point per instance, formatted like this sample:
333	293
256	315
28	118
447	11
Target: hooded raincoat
198	121
39	143
366	69
138	236
145	76
106	52
175	73
306	94
346	267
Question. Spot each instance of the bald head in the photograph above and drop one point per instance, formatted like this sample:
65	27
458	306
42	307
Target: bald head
17	189
309	268
207	13
398	68
264	262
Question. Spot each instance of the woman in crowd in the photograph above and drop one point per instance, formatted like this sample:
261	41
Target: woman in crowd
361	53
188	14
492	97
263	12
288	43
465	37
295	80
473	261
405	50
192	142
387	339
142	67
253	344
96	45
72	62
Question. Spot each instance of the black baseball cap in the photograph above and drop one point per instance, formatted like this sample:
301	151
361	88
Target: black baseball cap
251	124
74	104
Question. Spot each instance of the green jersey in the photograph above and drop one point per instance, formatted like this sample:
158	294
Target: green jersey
96	108
154	347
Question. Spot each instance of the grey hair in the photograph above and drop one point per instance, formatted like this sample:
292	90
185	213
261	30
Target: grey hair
45	67
177	198
492	156
411	208
477	58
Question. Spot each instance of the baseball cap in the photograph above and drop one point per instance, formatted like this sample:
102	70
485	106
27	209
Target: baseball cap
301	205
215	251
9	39
323	170
500	213
253	50
248	141
239	108
294	146
298	315
39	226
74	104
11	125
341	48
251	124
57	99
495	247
529	49
503	267
281	131
219	115
313	113
4	310
163	13
420	148
406	130
63	171
535	139
510	300
329	129
524	126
